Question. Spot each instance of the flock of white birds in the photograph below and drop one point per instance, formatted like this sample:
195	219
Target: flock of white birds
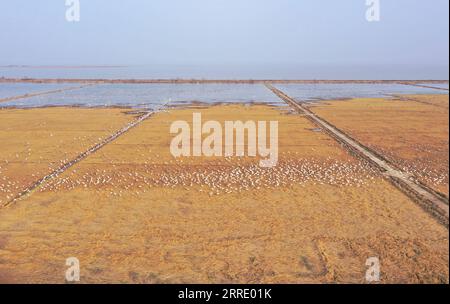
215	179
229	175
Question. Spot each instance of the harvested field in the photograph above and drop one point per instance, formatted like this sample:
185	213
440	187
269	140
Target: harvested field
36	142
410	131
132	213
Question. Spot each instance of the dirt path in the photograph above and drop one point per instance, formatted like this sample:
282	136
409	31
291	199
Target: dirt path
427	198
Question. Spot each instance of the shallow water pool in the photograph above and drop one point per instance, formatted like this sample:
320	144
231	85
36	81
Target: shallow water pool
150	95
311	92
8	90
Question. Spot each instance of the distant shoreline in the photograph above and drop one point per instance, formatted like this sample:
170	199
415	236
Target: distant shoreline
61	66
218	81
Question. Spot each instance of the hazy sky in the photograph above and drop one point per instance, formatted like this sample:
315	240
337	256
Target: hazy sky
224	31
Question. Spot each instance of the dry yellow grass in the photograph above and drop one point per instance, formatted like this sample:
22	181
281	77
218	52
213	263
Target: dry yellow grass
412	131
37	141
131	213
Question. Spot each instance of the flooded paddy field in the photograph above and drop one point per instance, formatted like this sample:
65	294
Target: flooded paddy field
314	92
444	86
132	213
148	96
153	96
9	90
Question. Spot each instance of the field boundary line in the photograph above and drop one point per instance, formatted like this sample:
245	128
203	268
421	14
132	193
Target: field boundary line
43	93
423	86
